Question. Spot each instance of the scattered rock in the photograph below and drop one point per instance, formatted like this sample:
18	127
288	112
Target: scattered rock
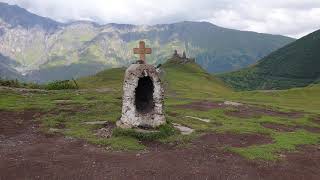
183	129
231	103
146	131
102	90
105	132
95	122
62	101
55	130
197	118
282	156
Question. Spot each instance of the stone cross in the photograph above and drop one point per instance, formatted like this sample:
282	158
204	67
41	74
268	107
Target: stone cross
142	51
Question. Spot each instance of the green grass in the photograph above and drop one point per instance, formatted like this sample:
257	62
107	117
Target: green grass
99	99
302	99
191	81
106	79
283	142
101	108
16	101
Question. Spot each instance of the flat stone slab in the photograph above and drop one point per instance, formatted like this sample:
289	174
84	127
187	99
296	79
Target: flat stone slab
231	103
56	130
183	129
102	90
145	131
63	101
95	122
197	118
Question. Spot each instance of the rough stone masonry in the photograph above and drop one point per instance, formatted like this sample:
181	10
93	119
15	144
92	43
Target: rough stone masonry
143	94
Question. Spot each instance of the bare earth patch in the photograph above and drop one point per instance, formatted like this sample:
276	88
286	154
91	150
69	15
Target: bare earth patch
279	127
251	111
311	129
234	140
202	105
16	123
173	114
302	164
287	128
25	153
316	120
241	110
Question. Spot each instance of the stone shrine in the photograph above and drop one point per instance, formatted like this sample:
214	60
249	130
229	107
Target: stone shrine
143	94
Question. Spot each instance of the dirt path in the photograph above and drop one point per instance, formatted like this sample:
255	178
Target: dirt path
27	154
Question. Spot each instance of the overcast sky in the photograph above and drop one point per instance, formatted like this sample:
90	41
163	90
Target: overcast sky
294	18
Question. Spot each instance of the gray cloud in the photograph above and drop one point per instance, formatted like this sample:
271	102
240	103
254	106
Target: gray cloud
293	18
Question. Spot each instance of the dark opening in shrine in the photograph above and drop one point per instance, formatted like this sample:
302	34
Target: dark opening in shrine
144	95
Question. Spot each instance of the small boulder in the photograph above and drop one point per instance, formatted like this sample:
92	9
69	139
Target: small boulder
105	132
183	129
231	103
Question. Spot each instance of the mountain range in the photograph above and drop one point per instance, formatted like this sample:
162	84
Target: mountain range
295	65
6	70
41	49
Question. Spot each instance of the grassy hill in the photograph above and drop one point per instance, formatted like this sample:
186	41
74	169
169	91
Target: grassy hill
295	65
180	80
187	82
110	78
191	81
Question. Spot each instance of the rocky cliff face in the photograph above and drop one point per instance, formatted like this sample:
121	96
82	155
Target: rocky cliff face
6	70
45	48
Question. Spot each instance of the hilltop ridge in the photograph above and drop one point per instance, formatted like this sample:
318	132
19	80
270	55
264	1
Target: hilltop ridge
295	65
180	75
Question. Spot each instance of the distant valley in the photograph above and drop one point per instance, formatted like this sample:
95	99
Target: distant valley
42	49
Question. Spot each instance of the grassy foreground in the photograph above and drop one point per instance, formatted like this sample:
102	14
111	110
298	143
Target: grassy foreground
99	99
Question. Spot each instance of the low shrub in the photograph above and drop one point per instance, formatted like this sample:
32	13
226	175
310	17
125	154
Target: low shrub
10	83
17	84
59	85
